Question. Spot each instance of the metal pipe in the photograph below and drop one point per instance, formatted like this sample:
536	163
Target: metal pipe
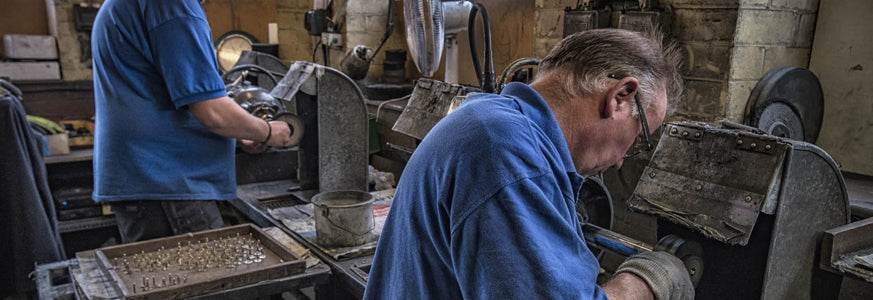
612	241
690	252
52	18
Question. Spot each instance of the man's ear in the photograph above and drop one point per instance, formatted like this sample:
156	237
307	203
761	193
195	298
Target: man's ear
620	97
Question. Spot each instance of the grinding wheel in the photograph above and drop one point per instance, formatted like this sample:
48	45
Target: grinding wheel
690	252
787	102
296	126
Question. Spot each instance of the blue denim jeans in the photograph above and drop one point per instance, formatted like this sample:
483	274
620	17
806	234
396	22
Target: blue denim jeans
148	219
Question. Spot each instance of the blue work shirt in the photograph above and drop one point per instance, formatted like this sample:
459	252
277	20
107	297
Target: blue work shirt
152	58
485	209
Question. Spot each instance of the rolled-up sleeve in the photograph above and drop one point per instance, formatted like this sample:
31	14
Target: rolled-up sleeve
184	55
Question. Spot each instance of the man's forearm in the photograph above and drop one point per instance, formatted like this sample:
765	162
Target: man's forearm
224	117
626	286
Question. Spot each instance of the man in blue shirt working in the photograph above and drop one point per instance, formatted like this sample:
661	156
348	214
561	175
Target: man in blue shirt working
485	208
165	128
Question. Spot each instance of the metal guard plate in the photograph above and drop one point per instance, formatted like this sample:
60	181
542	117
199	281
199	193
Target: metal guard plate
710	179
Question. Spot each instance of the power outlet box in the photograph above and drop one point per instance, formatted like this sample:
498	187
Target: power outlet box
331	39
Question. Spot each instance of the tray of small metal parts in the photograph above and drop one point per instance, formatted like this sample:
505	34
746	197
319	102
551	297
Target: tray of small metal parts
197	263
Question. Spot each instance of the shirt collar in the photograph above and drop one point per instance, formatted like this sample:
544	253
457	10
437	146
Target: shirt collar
535	108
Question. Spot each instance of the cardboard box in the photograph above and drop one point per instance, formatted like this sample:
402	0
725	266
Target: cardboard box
26	46
56	144
37	70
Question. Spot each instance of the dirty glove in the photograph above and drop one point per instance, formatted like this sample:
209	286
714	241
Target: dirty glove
664	273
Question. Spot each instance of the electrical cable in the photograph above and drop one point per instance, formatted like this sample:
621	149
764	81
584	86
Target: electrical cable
379	109
258	68
389	28
315	50
486	77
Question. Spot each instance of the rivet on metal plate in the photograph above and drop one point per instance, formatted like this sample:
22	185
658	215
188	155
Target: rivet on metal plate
652	175
753	145
739	142
748	199
685	133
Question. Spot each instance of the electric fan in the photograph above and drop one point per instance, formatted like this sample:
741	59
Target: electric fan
433	24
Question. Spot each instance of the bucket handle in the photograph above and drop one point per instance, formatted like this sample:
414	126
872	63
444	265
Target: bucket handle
326	214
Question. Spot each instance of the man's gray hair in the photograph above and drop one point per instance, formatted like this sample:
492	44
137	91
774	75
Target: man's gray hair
590	57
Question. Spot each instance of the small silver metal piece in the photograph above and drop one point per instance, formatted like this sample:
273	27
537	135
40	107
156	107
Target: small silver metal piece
685	133
739	142
698	187
748	199
697	134
652	175
753	145
674	131
768	147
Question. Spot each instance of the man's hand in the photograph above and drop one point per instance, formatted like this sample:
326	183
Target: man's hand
627	286
252	147
665	275
280	135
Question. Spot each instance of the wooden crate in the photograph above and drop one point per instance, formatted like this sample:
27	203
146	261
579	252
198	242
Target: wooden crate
179	257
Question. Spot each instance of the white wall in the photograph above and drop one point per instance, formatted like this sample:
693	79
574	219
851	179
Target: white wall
842	57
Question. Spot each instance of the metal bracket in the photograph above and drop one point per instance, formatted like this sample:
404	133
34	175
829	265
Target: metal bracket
756	144
687	133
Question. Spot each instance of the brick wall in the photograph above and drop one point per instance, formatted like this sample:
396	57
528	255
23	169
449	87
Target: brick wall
72	65
704	29
728	46
549	25
294	42
770	34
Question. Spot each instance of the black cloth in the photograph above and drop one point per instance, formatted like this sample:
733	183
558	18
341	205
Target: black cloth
28	224
149	219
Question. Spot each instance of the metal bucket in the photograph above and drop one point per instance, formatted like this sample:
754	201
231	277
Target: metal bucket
343	218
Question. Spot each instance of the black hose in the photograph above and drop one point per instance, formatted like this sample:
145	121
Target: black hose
513	66
255	67
324	53
315	50
486	77
389	28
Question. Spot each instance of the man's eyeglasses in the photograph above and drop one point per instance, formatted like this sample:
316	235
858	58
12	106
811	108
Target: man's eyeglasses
648	136
643	121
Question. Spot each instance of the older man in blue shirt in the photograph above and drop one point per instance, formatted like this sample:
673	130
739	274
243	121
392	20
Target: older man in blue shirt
485	208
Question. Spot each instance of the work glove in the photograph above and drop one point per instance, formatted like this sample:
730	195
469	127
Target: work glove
664	273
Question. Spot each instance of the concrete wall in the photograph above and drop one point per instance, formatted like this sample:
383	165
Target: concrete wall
770	34
842	58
